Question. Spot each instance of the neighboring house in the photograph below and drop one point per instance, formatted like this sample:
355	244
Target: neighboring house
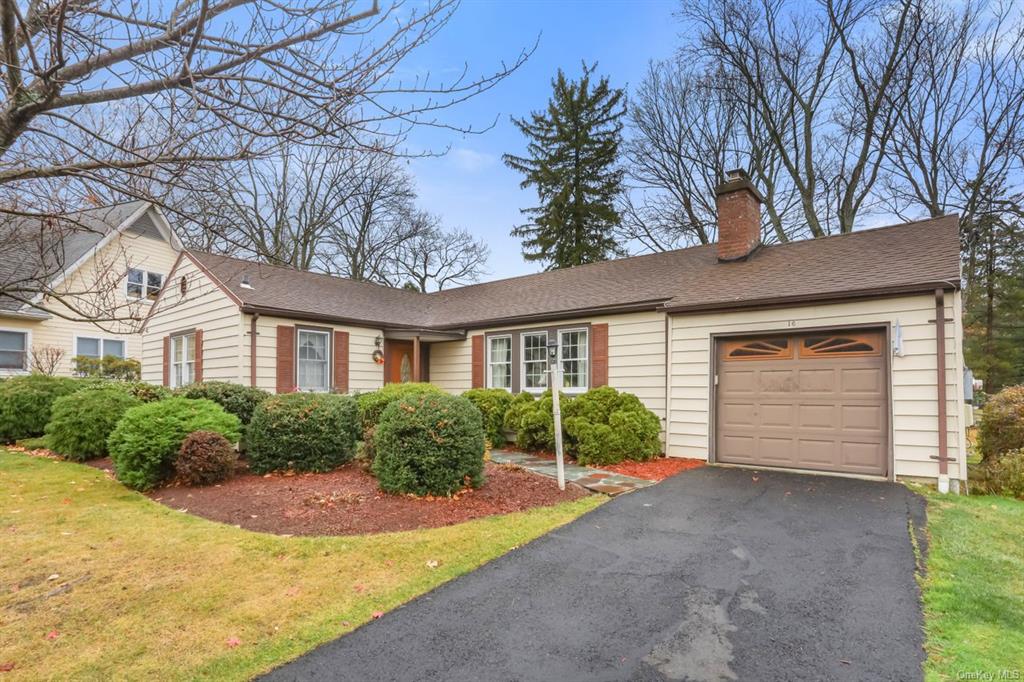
825	354
112	265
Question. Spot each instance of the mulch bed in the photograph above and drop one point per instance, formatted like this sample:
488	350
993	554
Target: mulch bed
348	501
656	469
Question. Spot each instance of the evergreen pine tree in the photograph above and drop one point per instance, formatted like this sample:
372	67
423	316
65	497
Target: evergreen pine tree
572	163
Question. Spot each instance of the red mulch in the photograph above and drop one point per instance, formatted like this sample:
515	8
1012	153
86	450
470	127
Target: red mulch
656	469
348	501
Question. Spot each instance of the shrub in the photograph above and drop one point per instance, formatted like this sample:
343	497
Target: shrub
372	404
237	399
26	401
519	404
1002	476
302	432
606	426
429	444
205	458
145	442
1001	428
493	403
81	423
109	367
147	393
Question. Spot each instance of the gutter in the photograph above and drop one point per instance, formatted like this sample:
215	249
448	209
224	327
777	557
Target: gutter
782	302
25	315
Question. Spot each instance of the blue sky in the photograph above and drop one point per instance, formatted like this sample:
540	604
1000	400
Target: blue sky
470	186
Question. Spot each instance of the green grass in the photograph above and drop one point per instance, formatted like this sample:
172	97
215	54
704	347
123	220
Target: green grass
146	592
974	587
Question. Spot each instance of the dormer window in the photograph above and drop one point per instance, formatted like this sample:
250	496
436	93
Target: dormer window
143	285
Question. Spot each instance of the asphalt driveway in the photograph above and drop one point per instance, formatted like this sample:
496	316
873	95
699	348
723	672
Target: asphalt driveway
715	574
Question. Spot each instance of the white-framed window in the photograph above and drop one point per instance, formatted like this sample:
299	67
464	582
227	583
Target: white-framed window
573	353
97	347
535	361
142	285
183	359
314	360
499	362
14	345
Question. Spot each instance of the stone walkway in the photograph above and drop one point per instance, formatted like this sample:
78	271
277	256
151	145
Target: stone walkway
607	482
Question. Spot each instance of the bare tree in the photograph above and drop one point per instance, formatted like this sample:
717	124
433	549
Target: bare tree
816	79
124	99
435	259
46	359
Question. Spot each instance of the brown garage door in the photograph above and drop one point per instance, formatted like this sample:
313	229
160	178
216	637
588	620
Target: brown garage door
808	401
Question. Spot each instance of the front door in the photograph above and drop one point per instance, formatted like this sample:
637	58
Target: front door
397	362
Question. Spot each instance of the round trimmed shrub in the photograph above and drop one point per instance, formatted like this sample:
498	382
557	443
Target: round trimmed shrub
493	403
1001	428
146	392
26	402
146	441
80	423
302	432
205	458
429	444
606	426
534	421
237	399
372	404
520	403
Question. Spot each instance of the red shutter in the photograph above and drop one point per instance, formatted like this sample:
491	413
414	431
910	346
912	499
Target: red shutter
599	355
199	355
167	361
478	361
285	358
341	362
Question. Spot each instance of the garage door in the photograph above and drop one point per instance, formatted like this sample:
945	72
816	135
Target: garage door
808	401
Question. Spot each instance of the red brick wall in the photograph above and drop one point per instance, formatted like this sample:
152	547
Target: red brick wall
739	224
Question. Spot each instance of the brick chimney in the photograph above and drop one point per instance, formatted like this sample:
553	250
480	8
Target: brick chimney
739	216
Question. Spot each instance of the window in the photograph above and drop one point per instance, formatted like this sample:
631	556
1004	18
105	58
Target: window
845	345
572	351
13	350
758	349
143	285
314	361
98	348
183	360
499	362
535	361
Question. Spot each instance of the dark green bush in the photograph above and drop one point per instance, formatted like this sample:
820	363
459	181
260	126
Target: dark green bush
533	420
521	402
372	404
205	458
146	392
237	399
145	442
108	367
1001	428
493	403
80	423
26	401
606	426
429	444
302	432
1002	476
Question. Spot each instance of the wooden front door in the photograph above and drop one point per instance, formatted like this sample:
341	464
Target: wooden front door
398	362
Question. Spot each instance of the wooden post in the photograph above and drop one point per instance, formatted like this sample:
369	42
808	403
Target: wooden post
416	359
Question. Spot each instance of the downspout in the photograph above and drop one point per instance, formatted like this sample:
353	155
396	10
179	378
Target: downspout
252	349
668	375
940	388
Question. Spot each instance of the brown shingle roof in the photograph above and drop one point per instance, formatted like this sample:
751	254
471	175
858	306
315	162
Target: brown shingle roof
909	257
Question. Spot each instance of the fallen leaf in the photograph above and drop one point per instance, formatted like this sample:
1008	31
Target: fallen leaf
65	501
52	635
345	624
292	591
433	563
358	588
232	642
53	576
376	614
6	667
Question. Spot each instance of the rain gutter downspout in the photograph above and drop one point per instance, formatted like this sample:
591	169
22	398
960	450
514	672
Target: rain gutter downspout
252	349
940	387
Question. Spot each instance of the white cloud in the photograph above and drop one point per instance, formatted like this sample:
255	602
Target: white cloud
471	161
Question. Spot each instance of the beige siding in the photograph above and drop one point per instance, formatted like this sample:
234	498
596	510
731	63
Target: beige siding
363	373
636	356
99	284
914	403
203	306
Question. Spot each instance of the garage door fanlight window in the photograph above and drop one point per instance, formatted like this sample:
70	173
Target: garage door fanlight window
861	344
759	349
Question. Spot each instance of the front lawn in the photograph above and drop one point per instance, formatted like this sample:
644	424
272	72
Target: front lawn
98	582
974	588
